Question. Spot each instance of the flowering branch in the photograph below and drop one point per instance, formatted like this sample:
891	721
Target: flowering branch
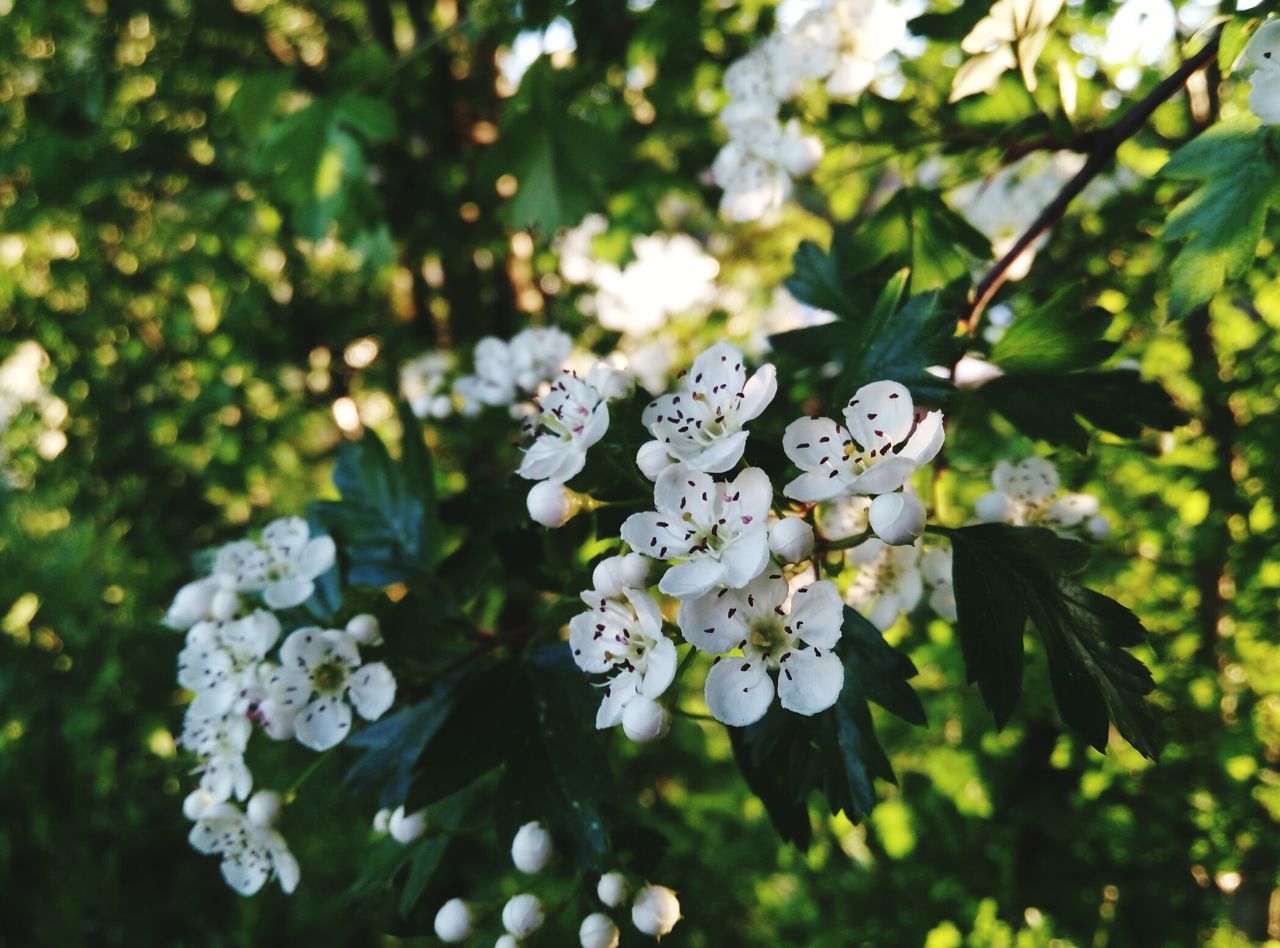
1100	155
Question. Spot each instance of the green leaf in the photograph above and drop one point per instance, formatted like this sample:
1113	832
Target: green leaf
1047	405
373	118
764	752
254	104
818	278
1232	41
1224	218
1055	336
423	862
393	746
880	670
1006	576
917	229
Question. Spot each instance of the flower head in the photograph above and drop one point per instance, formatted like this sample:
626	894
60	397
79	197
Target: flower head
283	567
1264	91
573	416
220	744
793	643
220	660
252	852
888	582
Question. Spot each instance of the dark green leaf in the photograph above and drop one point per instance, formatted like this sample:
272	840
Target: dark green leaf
393	746
916	229
1055	337
764	751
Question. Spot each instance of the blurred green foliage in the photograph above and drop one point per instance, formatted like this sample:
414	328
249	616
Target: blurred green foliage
204	205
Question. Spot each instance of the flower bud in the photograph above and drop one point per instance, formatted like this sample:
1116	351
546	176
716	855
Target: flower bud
382	821
598	931
655	910
365	629
225	605
612	889
550	504
406	827
994	507
531	849
897	519
791	540
522	915
1098	527
644	720
196	802
971	372
616	573
653	459
264	808
507	941
453	922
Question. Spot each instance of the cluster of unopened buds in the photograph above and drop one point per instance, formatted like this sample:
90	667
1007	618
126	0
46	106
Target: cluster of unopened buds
655	909
306	691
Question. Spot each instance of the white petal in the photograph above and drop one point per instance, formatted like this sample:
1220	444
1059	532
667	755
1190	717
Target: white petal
660	535
324	723
619	691
809	680
817	614
695	577
715	622
588	642
815	486
286	593
245	873
373	689
817	444
318	557
660	668
880	414
926	441
647	611
886	475
884	613
745	556
719	456
287	871
681	490
748	497
286	537
758	393
304	649
738	691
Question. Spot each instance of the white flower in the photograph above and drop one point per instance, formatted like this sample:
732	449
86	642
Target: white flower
794	643
897	518
507	941
623	638
453	922
757	164
791	539
251	852
644	720
1027	493
598	931
613	574
423	383
220	660
1098	527
1070	510
204	600
655	910
406	827
869	31
719	531
532	848
382	821
885	443
538	355
325	669
844	517
1140	30
669	276
612	889
702	424
888	582
935	567
573	417
522	915
220	743
283	567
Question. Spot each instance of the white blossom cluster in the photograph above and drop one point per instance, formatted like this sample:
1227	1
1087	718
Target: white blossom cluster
306	690
23	390
1027	493
845	44
655	910
728	555
1263	52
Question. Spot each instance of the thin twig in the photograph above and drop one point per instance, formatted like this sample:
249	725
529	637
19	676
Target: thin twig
1104	150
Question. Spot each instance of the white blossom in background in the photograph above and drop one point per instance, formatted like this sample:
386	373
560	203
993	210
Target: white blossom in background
885	443
935	568
1141	31
404	827
1026	494
573	416
670	275
578	262
888	583
655	911
325	666
703	423
283	566
717	531
622	637
844	517
897	518
252	851
791	539
794	643
220	743
22	388
1263	52
424	383
756	167
220	662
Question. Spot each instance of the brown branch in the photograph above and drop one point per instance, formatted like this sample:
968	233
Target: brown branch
1103	151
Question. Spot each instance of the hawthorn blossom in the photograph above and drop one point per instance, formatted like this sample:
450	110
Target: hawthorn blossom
1263	52
669	275
220	743
844	517
885	442
424	383
756	167
537	355
702	424
252	851
718	531
888	582
623	638
454	922
795	644
866	32
321	671
219	662
573	416
283	567
204	600
935	568
1026	493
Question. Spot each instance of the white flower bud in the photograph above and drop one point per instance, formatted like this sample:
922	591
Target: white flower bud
365	629
655	910
1098	527
264	808
598	931
550	504
616	573
653	459
898	518
994	507
971	372
644	720
507	941
531	849
406	827
196	802
453	922
791	540
382	821
612	889
225	605
522	915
